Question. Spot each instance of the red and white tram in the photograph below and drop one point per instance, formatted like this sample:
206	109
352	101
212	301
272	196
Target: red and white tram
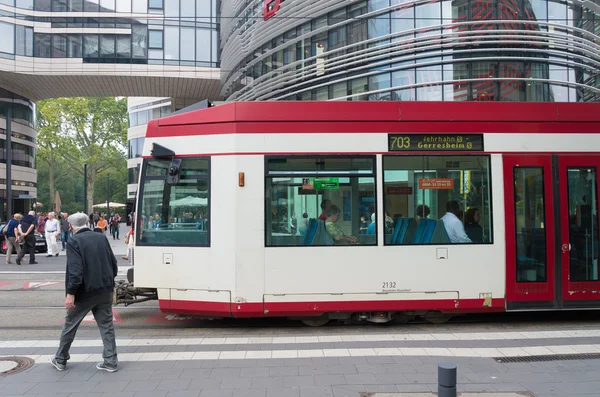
334	210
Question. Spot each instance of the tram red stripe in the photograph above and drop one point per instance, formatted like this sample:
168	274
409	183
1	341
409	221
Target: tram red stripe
583	127
283	309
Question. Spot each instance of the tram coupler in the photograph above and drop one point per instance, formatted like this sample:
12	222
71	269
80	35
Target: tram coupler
126	293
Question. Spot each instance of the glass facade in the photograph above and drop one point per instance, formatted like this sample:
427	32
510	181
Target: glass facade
174	32
450	50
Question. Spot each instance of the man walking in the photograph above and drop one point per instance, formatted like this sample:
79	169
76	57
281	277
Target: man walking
52	232
27	231
65	230
12	232
90	281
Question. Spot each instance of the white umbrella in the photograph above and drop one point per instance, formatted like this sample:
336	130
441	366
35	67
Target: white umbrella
189	201
111	205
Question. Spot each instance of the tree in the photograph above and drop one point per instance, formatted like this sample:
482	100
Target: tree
78	131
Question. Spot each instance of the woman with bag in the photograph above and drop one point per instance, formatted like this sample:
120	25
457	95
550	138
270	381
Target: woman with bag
129	241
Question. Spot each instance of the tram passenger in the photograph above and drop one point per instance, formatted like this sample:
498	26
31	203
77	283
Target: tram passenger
364	225
334	230
325	206
303	224
453	225
423	212
472	226
157	222
372	225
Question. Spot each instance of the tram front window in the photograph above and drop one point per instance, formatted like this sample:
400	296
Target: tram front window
338	191
174	214
421	190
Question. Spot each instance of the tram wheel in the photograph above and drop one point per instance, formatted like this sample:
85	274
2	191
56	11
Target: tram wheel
437	317
316	322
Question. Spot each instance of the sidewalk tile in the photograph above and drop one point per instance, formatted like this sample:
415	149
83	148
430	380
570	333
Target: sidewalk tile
236	383
361	379
106	386
280	392
205	383
328	380
195	373
267	382
254	372
216	393
250	393
297	381
316	391
173	384
142	385
183	393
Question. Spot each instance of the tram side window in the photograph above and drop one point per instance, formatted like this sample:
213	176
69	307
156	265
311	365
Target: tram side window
178	214
334	197
437	200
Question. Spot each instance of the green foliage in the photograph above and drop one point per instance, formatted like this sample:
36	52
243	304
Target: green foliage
77	131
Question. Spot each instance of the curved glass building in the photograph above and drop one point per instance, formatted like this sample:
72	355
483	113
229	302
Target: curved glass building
65	48
411	50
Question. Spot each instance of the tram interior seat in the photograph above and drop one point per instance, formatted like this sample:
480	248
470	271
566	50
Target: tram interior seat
316	233
428	231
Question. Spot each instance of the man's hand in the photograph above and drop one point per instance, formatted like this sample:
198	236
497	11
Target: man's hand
70	302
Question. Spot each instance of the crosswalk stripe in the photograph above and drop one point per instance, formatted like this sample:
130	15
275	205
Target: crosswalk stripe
466	336
316	353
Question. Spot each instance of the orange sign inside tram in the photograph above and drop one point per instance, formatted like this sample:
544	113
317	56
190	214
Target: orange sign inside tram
436	183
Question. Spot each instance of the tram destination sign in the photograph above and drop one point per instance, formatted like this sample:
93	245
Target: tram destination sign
435	143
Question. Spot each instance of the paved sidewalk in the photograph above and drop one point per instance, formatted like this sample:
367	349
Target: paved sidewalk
298	362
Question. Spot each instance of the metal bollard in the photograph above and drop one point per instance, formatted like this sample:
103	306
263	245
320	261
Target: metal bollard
446	380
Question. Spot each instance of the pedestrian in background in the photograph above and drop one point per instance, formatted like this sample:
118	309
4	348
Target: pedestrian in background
27	228
52	233
90	281
65	230
11	235
102	224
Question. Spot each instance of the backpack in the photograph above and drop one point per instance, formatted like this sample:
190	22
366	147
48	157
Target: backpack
5	228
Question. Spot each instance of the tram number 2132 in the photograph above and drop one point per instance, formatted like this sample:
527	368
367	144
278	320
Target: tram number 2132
388	284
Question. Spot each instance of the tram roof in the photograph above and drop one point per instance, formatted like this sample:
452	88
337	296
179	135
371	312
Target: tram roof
370	113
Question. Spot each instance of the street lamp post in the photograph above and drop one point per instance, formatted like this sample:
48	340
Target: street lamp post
107	195
85	201
9	198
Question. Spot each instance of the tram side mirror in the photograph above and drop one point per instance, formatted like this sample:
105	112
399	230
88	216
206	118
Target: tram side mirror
173	172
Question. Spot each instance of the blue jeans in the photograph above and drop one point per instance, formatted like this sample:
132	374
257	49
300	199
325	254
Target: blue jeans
64	236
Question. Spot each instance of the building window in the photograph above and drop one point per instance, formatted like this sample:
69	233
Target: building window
7	32
43	48
59	46
188	46
175	215
171	42
139	41
203	45
155	4
320	201
74	49
43	5
24	41
155	39
437	199
123	46
26	4
136	147
133	175
107	46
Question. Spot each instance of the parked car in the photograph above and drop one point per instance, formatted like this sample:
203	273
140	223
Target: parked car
40	242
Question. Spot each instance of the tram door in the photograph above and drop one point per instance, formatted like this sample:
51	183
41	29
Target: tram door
552	231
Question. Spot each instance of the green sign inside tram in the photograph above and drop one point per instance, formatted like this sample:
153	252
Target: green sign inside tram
326	183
